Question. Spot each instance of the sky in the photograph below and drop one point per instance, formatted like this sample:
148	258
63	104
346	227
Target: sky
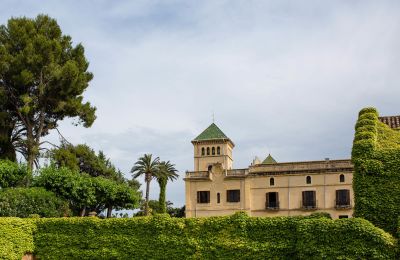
281	77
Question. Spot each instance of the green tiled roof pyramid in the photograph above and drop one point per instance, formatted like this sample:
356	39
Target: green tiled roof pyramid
269	160
211	133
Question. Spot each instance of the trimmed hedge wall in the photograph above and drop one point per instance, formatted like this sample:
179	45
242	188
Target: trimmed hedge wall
237	236
376	182
16	237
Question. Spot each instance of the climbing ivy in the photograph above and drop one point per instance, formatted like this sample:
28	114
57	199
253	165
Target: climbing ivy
376	182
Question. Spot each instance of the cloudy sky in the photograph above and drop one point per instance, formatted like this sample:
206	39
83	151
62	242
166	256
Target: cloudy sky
286	77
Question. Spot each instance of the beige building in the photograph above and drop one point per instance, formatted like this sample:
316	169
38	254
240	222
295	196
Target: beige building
265	188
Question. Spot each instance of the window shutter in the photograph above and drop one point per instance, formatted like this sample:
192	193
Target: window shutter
267	199
198	197
338	201
347	197
303	198
314	198
277	200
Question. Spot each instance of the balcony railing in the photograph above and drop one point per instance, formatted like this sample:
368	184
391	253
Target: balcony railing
198	175
342	205
272	205
236	173
307	205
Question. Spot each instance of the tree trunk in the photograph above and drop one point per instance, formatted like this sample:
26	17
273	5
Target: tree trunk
146	205
161	199
83	211
109	211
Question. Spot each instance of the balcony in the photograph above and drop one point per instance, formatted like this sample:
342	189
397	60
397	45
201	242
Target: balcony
342	205
272	205
308	205
198	175
236	173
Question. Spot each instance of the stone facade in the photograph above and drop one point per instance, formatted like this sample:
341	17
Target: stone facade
264	188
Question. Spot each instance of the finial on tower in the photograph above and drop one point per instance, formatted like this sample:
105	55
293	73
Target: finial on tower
213	117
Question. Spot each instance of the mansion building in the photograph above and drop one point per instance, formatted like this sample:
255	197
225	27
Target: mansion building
266	188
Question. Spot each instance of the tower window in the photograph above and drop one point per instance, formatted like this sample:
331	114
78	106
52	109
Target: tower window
341	178
218	150
208	150
213	151
308	180
203	197
203	151
271	182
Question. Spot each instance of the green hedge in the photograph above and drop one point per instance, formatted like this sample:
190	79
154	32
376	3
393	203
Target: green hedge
237	236
16	237
376	182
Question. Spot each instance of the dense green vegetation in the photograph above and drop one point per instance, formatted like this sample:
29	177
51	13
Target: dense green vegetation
16	238
376	182
12	174
162	237
43	77
24	202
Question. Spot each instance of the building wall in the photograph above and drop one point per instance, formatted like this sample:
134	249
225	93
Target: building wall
253	189
201	162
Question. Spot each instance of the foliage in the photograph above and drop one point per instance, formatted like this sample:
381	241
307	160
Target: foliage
83	159
43	77
83	191
155	208
25	202
376	182
148	167
12	174
166	172
16	238
237	236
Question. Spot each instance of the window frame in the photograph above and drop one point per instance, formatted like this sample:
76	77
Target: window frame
233	196
203	197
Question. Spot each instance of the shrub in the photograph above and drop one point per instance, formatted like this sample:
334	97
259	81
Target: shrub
23	202
12	174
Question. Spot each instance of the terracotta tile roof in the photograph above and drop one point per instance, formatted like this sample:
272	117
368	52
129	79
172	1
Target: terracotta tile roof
392	121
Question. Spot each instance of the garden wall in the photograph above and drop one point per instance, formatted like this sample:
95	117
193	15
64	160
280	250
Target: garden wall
163	237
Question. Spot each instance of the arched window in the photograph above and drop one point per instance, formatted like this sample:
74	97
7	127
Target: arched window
208	150
203	151
308	180
218	150
271	182
341	178
213	151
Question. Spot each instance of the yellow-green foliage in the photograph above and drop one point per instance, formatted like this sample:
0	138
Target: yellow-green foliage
16	237
376	183
234	237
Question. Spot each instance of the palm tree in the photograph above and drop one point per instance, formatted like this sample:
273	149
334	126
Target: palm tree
166	171
149	168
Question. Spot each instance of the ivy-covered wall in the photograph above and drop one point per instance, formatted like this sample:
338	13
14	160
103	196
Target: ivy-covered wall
234	237
376	182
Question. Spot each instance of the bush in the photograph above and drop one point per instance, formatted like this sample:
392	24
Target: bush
23	202
12	174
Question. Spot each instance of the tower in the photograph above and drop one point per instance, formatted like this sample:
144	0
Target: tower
212	148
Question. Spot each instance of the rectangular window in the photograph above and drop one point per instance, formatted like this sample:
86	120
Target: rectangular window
272	200
233	195
343	216
342	198
218	197
203	197
309	199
